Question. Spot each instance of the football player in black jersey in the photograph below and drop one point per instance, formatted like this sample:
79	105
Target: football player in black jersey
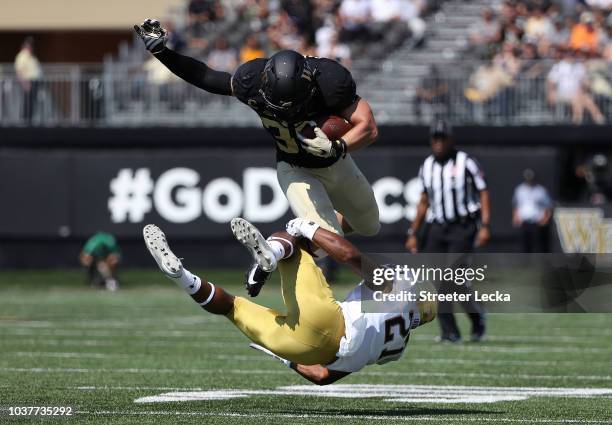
288	90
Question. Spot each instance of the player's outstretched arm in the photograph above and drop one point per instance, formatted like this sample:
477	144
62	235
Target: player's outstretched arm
333	244
189	69
365	130
317	374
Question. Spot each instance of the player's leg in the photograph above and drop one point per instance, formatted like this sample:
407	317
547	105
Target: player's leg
107	268
310	331
307	195
266	253
212	298
353	197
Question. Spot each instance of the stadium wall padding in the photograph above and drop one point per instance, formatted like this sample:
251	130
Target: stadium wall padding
53	199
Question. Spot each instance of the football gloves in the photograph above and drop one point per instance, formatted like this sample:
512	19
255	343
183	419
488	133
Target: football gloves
323	147
302	228
152	34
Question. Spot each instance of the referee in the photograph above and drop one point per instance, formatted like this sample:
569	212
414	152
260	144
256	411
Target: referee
455	205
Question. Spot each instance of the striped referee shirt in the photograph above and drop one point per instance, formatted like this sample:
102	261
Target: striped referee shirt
452	186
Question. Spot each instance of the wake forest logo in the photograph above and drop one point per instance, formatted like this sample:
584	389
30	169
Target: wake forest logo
583	230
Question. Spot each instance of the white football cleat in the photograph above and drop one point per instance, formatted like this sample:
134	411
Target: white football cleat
159	249
253	240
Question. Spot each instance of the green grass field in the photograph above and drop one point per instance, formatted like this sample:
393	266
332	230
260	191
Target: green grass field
65	345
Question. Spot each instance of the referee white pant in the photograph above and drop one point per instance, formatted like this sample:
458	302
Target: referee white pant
317	193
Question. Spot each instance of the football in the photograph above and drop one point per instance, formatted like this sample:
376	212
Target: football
333	126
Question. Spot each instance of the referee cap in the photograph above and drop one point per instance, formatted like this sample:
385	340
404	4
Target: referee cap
441	128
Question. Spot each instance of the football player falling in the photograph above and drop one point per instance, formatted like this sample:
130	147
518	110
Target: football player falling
321	339
288	90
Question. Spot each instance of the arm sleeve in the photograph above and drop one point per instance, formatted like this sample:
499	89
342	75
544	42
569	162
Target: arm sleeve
197	73
477	174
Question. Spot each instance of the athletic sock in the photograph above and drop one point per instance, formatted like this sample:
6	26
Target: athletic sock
188	281
278	248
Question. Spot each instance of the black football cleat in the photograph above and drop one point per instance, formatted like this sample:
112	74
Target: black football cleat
254	279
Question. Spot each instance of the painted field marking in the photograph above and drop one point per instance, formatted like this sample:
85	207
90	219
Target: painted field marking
390	393
340	416
66	355
278	372
250	358
54	331
233	342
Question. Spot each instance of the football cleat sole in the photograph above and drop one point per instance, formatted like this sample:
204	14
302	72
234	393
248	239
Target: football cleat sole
253	240
156	242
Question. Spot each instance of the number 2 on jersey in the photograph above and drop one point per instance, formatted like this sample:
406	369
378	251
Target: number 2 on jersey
389	354
286	138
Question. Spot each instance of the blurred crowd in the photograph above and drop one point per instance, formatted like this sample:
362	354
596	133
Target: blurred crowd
227	33
574	36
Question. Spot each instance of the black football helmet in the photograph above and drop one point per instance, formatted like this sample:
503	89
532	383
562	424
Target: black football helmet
288	86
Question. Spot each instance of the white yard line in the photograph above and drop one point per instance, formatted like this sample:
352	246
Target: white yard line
66	355
255	358
229	343
343	416
280	372
135	331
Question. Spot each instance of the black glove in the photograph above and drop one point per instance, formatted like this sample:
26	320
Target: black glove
152	34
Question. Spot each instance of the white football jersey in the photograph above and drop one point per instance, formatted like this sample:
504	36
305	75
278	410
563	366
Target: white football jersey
373	337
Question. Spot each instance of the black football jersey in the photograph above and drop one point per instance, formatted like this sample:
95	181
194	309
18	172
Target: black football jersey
336	91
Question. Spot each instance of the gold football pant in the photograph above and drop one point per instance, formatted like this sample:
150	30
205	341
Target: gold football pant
311	329
314	193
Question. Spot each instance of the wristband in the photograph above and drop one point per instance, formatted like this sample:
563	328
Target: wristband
308	229
344	147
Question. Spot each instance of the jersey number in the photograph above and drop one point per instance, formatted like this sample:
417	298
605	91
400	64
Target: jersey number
286	138
398	322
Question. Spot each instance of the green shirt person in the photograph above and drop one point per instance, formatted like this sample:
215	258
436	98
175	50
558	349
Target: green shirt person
101	255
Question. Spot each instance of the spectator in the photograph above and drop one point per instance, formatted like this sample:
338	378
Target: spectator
101	256
485	31
326	33
176	41
411	11
558	34
256	13
29	73
584	35
507	61
202	11
512	33
222	57
300	12
283	33
387	25
537	25
335	50
597	175
604	5
354	17
434	91
567	85
251	49
531	212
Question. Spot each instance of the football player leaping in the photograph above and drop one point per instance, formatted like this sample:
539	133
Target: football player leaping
288	90
319	338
